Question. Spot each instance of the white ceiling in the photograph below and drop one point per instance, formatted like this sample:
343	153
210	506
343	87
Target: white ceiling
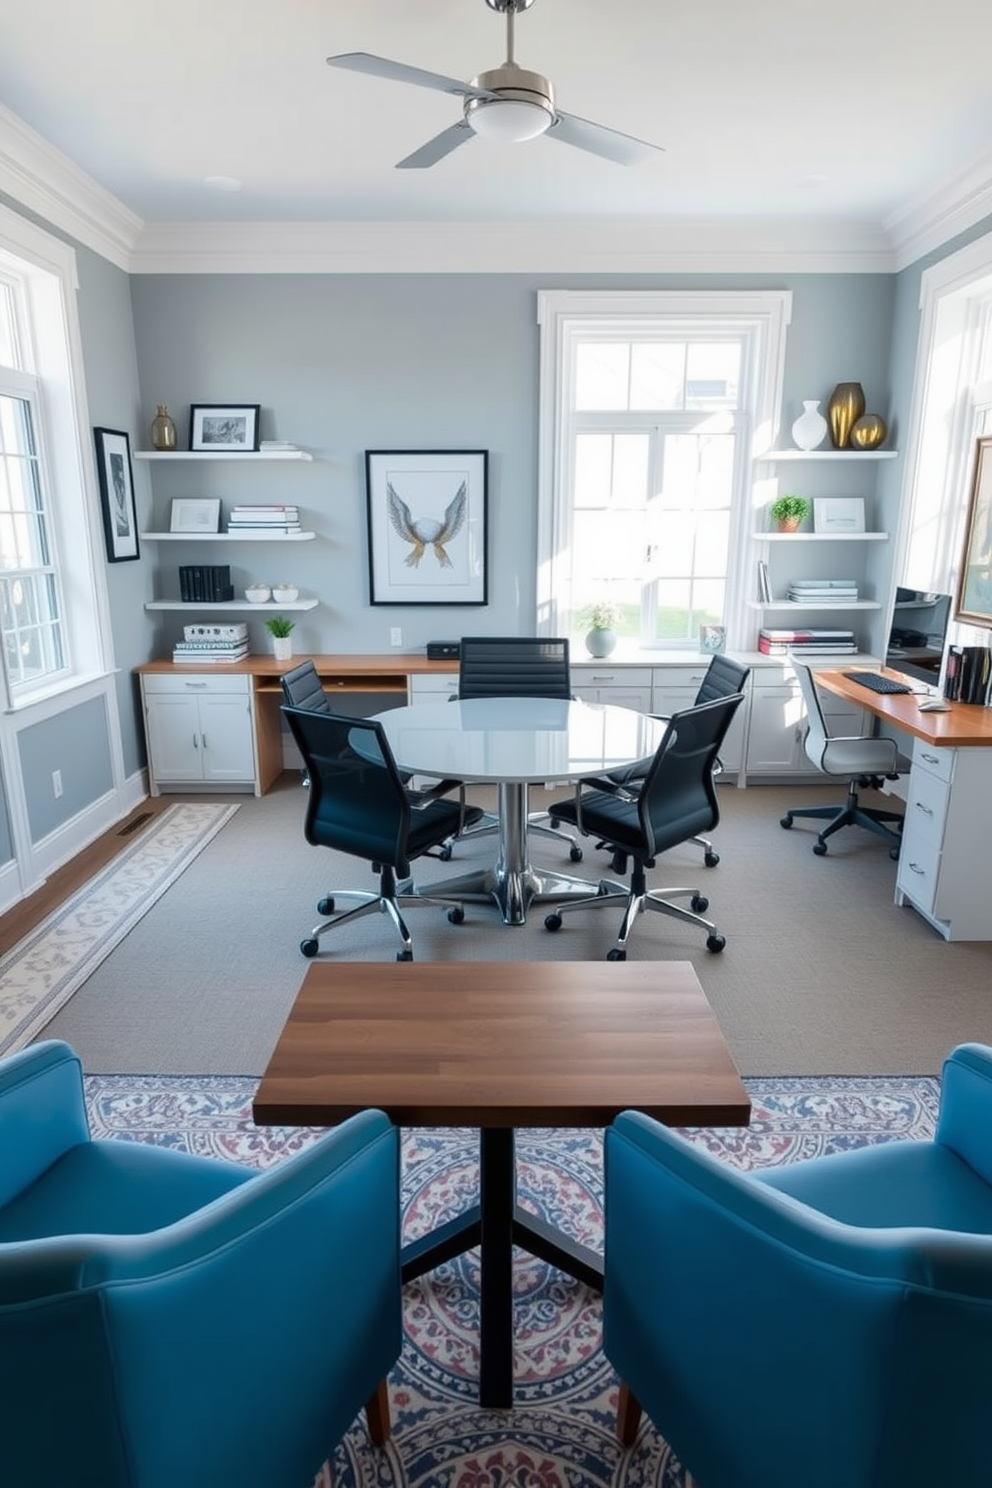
781	109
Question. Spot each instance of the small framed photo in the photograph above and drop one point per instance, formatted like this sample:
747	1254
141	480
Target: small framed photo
195	516
836	515
113	465
713	639
974	593
219	427
427	526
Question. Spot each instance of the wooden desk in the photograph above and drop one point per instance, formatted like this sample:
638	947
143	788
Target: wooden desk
943	860
499	1045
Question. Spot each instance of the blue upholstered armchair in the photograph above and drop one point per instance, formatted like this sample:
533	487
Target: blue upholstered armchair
823	1323
169	1321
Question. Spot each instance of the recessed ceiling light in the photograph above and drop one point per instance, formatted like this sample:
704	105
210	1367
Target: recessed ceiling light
222	183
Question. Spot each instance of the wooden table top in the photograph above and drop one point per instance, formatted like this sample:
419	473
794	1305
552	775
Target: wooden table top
502	1044
963	726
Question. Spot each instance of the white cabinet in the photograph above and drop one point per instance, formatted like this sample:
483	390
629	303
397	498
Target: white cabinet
945	841
424	687
199	730
621	686
777	725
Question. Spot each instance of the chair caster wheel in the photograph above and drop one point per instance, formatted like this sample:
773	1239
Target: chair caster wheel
444	853
615	955
820	848
575	854
404	955
699	904
309	947
456	915
711	859
325	906
894	854
786	821
552	922
716	942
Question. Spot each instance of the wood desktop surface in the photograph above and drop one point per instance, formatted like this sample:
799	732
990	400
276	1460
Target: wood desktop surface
964	725
502	1044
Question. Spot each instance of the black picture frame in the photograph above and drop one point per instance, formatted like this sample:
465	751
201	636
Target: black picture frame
224	428
120	521
427	526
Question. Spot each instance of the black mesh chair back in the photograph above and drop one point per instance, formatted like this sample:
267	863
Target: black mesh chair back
678	800
513	666
723	678
301	688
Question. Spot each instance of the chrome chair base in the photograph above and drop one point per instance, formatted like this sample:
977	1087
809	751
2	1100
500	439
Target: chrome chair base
369	903
639	900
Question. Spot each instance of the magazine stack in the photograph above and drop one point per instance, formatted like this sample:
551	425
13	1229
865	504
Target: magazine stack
790	642
209	644
266	520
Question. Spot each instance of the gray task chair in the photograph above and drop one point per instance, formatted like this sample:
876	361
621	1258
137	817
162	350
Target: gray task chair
860	760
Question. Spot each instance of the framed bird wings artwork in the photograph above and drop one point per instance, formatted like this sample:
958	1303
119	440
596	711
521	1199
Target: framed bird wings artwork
427	514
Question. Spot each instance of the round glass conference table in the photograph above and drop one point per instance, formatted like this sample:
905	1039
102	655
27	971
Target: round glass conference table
513	743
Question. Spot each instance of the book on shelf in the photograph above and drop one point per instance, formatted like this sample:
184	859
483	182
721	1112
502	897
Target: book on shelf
184	652
805	633
823	583
806	648
205	582
764	587
824	596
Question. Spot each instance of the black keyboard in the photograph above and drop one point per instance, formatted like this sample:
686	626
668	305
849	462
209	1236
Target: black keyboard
876	683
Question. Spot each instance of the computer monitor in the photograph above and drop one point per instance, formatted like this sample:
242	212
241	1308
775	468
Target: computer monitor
918	634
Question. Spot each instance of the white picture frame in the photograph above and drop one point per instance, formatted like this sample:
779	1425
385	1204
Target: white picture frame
195	515
836	515
427	526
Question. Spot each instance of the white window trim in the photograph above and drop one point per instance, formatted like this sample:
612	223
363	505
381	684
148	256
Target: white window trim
562	314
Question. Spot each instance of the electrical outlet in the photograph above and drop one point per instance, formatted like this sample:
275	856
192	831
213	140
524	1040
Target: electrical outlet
57	783
395	636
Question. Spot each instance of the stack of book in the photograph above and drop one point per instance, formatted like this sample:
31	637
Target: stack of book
967	674
268	519
823	591
785	642
205	582
225	643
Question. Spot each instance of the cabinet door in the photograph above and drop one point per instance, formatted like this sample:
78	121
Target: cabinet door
638	698
226	741
775	737
174	750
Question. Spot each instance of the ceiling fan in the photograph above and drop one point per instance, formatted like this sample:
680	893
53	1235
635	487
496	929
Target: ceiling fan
507	103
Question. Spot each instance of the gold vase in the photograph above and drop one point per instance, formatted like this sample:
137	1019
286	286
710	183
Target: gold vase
868	432
163	430
845	406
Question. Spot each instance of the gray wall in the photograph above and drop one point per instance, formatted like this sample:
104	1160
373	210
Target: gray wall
78	746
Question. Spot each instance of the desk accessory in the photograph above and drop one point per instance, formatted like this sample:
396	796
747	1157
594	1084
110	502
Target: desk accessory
443	650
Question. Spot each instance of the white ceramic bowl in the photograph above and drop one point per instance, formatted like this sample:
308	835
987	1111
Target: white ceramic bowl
285	593
257	593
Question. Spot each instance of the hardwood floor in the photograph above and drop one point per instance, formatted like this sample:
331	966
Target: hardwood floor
23	917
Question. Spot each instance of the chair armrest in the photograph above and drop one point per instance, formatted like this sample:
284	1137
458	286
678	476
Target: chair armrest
42	1112
421	799
966	1106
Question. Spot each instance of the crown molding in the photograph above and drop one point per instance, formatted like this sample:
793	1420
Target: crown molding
39	177
932	219
578	246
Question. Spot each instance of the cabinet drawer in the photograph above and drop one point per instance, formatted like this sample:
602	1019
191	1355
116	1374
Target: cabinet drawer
937	762
626	677
196	682
919	872
433	689
926	806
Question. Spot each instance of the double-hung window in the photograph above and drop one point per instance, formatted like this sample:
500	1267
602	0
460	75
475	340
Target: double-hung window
651	406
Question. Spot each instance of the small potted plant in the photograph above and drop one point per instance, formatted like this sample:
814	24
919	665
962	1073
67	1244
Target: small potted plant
281	631
788	511
602	616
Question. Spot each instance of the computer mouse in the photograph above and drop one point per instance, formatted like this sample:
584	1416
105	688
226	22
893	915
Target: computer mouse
933	705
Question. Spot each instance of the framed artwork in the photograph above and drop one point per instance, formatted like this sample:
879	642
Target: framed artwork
194	515
974	596
838	514
427	520
223	426
113	467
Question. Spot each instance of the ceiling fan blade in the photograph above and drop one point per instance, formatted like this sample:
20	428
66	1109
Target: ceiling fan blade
625	149
398	72
442	144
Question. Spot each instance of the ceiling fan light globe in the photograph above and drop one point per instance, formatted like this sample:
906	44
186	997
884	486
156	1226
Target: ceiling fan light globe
509	120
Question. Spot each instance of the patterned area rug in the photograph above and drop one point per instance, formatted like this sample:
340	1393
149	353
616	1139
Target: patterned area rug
560	1432
42	971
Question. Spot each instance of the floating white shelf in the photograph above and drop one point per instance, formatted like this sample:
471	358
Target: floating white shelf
230	604
822	536
255	535
828	454
292	454
795	604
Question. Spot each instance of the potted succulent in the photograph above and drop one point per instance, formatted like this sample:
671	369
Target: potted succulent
788	511
281	631
602	617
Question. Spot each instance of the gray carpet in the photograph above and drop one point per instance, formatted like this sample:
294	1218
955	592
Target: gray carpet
822	974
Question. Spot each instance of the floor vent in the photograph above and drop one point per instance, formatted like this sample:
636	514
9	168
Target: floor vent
132	826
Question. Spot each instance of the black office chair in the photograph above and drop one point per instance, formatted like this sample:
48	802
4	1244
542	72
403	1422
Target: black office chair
517	666
722	678
358	804
675	802
860	760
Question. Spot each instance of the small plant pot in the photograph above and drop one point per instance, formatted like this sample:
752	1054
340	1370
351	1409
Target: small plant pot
600	642
788	524
282	648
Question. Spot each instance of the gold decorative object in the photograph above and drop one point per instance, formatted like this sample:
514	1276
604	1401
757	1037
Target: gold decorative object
163	430
845	406
868	432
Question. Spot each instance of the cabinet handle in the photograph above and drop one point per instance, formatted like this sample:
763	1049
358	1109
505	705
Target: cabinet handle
196	684
927	810
608	678
915	868
196	741
204	738
931	759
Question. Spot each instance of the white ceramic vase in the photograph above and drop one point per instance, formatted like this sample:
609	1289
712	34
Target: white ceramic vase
600	642
282	648
810	428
